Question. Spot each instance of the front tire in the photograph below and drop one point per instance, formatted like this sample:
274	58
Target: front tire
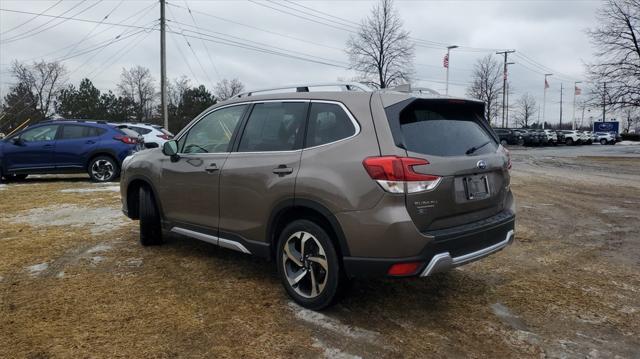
569	141
603	142
504	143
308	265
103	169
150	226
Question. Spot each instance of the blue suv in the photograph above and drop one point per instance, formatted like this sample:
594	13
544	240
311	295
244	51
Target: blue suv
66	146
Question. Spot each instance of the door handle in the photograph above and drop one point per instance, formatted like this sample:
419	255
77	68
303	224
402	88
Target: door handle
283	170
47	146
90	142
212	168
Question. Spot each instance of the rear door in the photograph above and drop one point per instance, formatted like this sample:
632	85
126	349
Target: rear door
74	144
461	148
33	151
262	171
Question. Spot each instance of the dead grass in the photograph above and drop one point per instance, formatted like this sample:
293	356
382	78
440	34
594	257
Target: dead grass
570	281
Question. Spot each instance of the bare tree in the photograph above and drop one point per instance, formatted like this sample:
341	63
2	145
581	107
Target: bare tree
226	89
616	70
527	108
630	118
137	85
381	50
487	85
43	79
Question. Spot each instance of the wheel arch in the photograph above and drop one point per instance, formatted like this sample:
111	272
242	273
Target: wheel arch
290	210
133	196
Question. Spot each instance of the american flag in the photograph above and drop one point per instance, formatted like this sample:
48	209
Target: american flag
445	61
546	84
578	91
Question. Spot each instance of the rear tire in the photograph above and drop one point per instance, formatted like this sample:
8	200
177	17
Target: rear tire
312	275
103	169
504	143
569	141
150	226
603	142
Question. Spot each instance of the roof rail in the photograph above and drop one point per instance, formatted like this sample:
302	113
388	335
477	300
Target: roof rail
345	86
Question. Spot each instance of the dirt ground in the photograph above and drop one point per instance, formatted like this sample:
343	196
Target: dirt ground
74	282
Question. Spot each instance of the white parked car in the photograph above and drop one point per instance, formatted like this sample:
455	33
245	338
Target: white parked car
552	136
584	137
605	138
572	137
150	132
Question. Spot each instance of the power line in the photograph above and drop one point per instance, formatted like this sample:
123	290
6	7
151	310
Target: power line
307	41
30	33
75	19
95	27
206	74
206	48
31	19
184	58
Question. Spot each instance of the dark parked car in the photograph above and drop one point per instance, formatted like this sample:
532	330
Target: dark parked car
331	185
531	137
509	136
67	146
560	135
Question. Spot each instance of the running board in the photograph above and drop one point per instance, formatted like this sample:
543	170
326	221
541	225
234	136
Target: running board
221	242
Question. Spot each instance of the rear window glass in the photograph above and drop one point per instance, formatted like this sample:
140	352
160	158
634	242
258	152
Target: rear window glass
444	128
328	123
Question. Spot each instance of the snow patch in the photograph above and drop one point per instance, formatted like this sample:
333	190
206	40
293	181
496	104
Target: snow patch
99	220
60	275
331	352
628	143
333	325
99	248
3	187
36	269
95	189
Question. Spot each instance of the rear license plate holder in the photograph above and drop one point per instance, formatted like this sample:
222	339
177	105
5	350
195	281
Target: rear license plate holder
476	187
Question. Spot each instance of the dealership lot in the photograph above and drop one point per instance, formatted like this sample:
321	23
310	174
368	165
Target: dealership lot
75	282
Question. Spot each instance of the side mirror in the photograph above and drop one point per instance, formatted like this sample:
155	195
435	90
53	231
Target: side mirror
17	141
170	148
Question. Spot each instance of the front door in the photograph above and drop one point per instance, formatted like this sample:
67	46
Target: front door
262	171
31	150
189	188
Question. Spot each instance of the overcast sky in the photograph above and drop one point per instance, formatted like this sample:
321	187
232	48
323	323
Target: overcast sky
549	36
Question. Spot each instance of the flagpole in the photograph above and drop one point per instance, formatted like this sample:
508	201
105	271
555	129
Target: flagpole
544	98
446	91
575	94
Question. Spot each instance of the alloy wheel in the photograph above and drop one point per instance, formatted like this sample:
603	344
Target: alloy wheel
102	170
305	264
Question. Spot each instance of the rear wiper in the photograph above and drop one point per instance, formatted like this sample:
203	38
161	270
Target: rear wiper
475	148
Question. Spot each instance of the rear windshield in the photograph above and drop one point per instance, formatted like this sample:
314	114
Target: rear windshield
443	128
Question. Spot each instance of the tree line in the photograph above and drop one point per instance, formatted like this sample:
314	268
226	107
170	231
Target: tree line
41	91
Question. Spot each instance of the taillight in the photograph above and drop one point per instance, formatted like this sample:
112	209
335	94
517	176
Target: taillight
396	175
164	137
126	139
506	152
403	269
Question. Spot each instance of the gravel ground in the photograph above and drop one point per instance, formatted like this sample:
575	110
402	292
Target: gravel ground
74	282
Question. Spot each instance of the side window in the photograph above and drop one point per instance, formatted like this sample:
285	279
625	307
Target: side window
213	132
42	133
95	131
70	132
140	130
274	126
328	123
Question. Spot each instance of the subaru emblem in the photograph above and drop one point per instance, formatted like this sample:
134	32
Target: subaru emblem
482	164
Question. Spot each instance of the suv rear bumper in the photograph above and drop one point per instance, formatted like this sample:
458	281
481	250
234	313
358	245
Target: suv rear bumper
448	249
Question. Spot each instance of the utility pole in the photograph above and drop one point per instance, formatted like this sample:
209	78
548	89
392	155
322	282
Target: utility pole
504	81
448	62
575	93
163	67
604	100
561	106
507	122
544	96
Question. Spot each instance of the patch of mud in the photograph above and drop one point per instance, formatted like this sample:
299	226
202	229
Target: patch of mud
90	190
98	220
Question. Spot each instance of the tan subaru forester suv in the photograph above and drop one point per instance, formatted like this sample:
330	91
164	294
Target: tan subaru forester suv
331	185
